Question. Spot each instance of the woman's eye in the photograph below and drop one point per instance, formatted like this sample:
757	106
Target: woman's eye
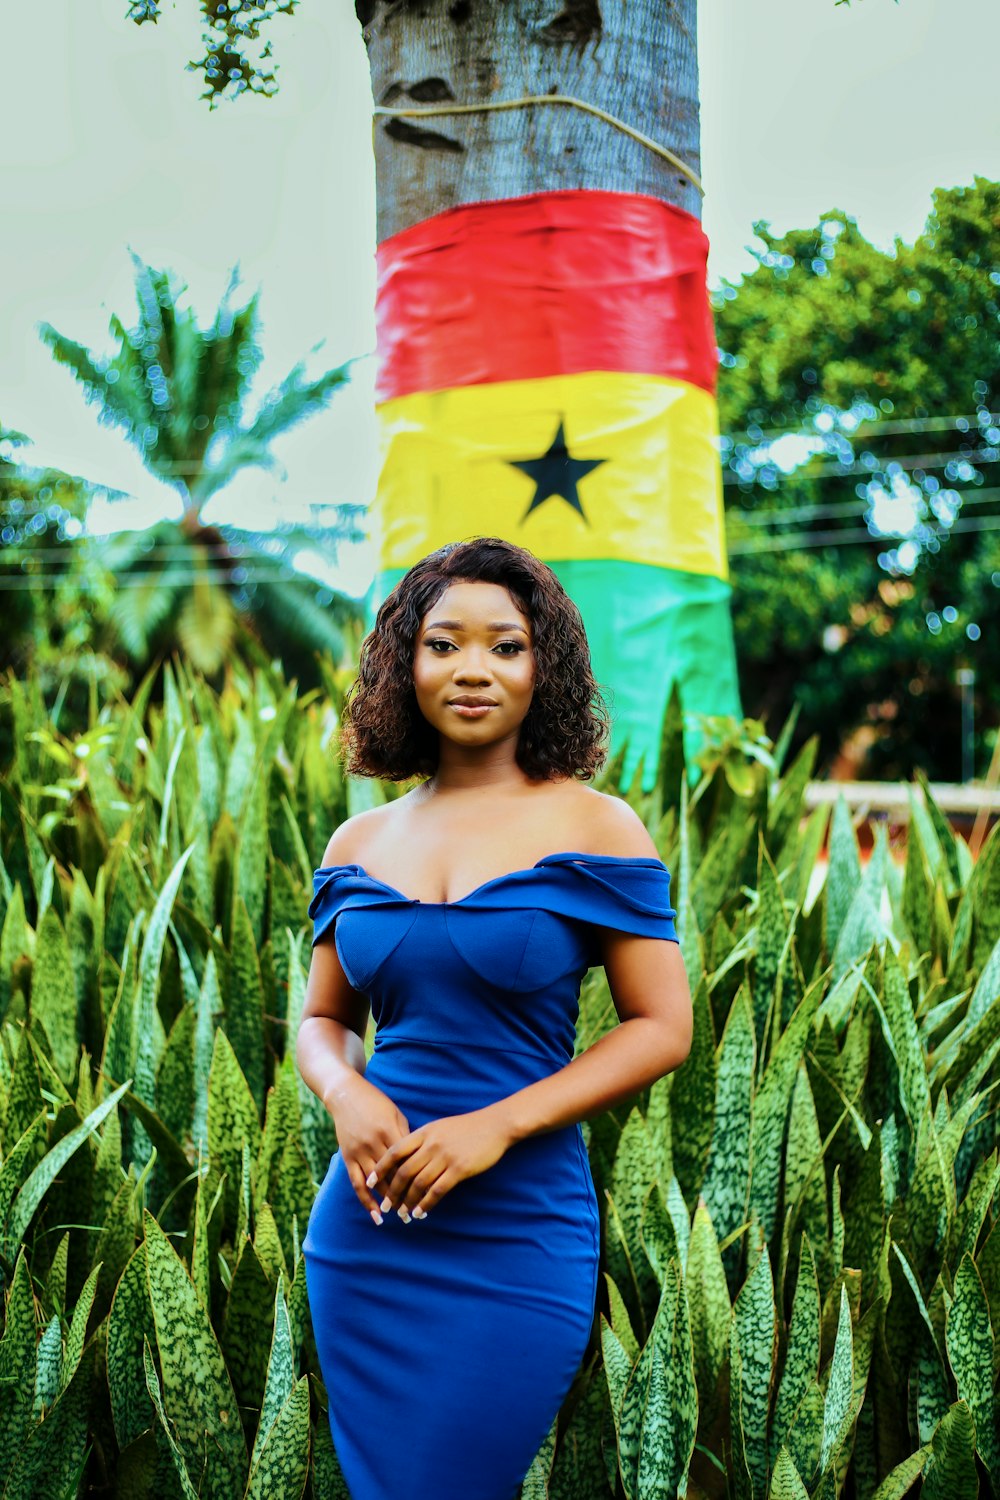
509	648
440	642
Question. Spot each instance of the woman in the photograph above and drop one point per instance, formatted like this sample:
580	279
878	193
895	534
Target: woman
452	1250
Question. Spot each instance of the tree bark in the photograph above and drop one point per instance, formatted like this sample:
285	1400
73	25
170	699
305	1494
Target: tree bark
636	59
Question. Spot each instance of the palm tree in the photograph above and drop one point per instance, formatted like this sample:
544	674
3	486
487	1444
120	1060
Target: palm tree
179	393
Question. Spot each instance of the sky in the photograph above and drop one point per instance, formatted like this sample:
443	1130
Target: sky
806	106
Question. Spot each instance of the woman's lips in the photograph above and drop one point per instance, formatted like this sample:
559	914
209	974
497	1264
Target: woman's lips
472	710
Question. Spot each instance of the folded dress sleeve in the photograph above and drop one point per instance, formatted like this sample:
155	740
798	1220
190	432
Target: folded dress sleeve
626	894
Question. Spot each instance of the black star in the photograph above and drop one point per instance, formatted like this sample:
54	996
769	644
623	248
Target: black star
556	473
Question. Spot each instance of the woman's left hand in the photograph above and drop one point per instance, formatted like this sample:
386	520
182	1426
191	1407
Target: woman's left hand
419	1169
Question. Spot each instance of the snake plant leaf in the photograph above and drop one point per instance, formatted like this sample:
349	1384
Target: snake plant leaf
692	1100
840	1383
208	1196
188	1490
786	1482
802	1353
909	1052
283	1467
579	1468
197	1390
682	1391
77	1335
900	1480
804	1160
18	1162
281	1121
44	1174
318	1138
53	993
658	1126
148	1025
772	939
279	1372
843	872
951	1467
17	943
49	1461
252	853
657	1233
755	1330
24	1097
677	1209
130	1321
620	1323
657	1445
209	1007
618	1366
175	1076
327	1480
918	893
969	1341
986	901
55	1281
48	1367
293	1199
771	1106
987	988
621	1268
18	1361
232	1120
636	1393
864	1221
245	1003
246	1331
536	1481
709	1307
726	1185
267	1244
715	877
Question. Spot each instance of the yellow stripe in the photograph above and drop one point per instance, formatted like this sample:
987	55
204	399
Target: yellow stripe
657	498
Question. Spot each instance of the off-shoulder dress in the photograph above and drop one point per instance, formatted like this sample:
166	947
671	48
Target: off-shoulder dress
448	1344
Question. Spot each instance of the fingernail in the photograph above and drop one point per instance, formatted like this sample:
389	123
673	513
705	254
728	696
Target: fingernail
404	1213
371	1180
385	1205
376	1216
418	1213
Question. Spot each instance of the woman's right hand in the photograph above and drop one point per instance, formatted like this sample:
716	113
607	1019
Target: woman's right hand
367	1124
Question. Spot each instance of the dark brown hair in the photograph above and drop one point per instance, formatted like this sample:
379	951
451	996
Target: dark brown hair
385	734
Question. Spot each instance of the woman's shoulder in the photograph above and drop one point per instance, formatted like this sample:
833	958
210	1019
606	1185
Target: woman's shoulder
609	826
352	839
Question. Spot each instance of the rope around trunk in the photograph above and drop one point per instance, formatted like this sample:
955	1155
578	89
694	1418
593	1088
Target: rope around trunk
530	100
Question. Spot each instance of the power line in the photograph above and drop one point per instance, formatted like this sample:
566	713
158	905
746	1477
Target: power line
775	515
52	581
838	470
886	425
806	541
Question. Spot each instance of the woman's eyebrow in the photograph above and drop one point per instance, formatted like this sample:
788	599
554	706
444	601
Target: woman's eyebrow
493	625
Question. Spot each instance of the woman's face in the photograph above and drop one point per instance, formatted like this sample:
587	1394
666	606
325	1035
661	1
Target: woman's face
474	664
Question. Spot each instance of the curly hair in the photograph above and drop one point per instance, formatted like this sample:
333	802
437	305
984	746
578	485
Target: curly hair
564	732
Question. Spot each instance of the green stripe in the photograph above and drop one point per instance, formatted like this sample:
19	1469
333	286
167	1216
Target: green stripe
648	627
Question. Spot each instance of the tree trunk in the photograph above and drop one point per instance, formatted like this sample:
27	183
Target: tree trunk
546	354
636	60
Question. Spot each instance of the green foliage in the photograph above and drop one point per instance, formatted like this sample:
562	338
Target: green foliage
801	1283
180	393
889	362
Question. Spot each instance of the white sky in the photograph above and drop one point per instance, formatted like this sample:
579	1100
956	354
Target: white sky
806	106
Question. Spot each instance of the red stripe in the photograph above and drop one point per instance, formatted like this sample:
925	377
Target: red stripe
550	284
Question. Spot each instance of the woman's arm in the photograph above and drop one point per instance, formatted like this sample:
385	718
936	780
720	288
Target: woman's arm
330	1053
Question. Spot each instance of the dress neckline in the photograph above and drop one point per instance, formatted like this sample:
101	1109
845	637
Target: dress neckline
570	856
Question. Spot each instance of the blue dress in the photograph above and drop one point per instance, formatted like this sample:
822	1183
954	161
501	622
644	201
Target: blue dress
448	1344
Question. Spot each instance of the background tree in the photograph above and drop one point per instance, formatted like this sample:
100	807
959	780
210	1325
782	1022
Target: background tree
867	577
180	394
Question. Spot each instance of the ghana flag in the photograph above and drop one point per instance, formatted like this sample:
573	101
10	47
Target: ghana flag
547	374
